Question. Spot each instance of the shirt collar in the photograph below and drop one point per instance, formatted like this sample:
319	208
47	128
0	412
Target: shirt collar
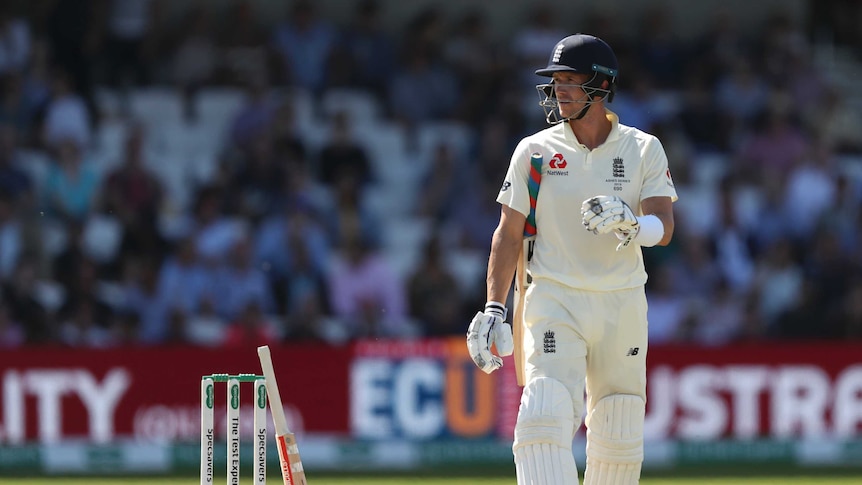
613	135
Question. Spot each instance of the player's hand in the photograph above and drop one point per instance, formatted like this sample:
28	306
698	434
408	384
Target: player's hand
486	328
603	214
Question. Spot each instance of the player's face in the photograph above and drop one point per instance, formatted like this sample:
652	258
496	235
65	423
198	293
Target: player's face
570	94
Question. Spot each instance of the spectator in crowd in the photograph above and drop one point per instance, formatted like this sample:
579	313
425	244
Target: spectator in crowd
257	177
477	63
71	185
365	292
434	296
351	212
836	122
660	52
131	191
694	273
82	324
641	105
741	94
719	46
147	301
66	116
778	280
795	323
287	134
196	59
476	215
130	40
11	332
251	328
14	181
16	41
829	269
842	219
719	319
425	32
368	49
27	303
781	41
810	190
212	228
343	156
776	144
701	120
85	318
17	109
256	114
241	283
205	327
73	30
732	244
306	297
11	239
243	45
422	73
184	282
445	188
669	313
35	92
848	317
533	40
292	243
304	43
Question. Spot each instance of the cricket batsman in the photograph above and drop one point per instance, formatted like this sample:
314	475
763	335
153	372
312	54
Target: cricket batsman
602	192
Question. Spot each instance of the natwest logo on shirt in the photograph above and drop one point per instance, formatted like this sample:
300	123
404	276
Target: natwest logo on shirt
557	161
556	165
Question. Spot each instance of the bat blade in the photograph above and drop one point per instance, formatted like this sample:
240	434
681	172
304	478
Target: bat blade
292	471
518	317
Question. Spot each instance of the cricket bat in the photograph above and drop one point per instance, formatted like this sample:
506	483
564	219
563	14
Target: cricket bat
522	279
288	451
518	317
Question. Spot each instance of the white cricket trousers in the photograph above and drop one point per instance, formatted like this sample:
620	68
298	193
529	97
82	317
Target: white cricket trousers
597	339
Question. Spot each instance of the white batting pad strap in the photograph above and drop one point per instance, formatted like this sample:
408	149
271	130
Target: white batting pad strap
615	440
651	230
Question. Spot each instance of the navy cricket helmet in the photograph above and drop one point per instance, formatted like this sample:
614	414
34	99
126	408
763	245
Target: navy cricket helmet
583	54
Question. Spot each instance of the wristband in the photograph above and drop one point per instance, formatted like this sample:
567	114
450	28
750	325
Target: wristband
496	307
651	230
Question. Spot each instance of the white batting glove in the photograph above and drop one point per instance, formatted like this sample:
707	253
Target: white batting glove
486	328
603	214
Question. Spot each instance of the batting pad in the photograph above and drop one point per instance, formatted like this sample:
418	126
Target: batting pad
615	441
543	435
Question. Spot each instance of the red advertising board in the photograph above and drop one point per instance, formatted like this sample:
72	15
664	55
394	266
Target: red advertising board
53	394
421	390
780	390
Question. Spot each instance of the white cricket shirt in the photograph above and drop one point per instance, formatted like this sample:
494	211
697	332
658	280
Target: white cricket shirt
630	164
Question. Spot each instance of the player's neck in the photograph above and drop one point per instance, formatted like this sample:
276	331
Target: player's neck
593	129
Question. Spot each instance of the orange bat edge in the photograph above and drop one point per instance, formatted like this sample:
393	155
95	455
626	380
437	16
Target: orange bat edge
288	456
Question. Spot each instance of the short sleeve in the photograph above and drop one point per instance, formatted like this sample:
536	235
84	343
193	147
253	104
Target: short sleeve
514	192
657	178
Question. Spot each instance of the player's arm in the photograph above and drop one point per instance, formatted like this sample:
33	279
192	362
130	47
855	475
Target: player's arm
505	248
488	326
661	207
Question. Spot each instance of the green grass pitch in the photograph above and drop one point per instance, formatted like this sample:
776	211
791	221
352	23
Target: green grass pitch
416	480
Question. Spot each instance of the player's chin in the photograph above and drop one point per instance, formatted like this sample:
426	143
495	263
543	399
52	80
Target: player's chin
568	113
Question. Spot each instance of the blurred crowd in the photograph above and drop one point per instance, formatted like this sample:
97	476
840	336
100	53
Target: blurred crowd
176	172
